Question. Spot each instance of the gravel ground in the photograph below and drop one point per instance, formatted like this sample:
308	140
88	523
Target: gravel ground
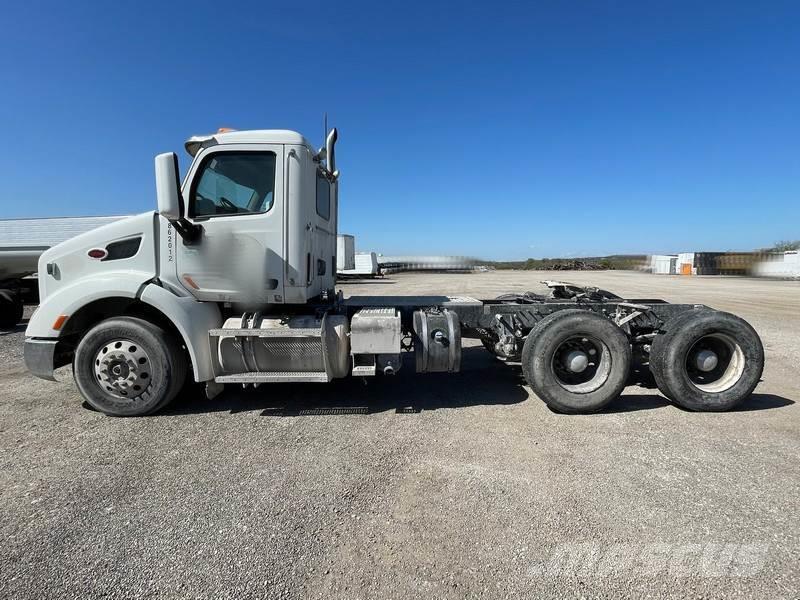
445	486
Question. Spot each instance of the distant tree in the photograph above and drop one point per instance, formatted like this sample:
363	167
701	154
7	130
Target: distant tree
786	245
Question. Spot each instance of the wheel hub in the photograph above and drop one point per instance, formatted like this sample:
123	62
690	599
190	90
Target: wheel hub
581	364
576	361
706	360
715	363
122	369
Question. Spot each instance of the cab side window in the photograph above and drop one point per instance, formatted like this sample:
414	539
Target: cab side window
232	183
323	197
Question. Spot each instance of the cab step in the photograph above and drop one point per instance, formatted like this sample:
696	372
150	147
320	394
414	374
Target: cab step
273	377
283	332
364	370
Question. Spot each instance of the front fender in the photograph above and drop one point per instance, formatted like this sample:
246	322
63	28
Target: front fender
193	319
68	300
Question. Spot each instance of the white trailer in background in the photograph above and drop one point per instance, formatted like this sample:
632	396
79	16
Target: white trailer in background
22	242
784	266
366	265
399	263
345	252
352	264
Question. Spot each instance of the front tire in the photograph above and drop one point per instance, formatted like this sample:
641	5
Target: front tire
126	367
707	360
576	361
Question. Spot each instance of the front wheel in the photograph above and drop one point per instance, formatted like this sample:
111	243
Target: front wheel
126	367
576	361
707	360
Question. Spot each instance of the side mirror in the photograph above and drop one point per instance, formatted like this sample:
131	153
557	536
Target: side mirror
168	186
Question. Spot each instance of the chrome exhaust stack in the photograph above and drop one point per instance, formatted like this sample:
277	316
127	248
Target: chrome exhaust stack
330	152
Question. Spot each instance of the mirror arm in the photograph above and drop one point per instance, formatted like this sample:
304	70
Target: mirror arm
189	232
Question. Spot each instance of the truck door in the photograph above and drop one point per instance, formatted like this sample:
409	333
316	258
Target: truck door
234	193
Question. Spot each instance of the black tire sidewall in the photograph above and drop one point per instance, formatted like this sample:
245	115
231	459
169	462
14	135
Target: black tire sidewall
155	343
670	350
537	356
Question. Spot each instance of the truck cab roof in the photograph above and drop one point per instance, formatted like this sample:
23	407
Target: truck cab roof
250	136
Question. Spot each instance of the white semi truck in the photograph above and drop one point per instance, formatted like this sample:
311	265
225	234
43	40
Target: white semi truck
232	281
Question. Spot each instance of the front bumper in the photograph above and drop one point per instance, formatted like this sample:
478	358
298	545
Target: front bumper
40	357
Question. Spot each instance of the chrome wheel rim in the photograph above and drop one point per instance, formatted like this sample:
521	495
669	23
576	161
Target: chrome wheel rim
715	363
581	364
122	369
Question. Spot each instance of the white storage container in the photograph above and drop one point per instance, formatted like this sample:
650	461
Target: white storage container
664	264
686	263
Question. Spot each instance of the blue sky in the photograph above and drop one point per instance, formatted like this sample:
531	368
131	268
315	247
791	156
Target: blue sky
501	130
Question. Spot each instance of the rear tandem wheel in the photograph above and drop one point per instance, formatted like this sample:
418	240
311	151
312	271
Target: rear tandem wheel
707	360
576	361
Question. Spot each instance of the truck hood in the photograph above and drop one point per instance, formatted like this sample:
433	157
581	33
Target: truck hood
69	261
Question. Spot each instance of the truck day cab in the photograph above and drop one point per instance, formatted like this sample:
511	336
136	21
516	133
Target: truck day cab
232	281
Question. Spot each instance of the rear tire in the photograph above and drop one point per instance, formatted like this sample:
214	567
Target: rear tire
707	360
576	361
126	367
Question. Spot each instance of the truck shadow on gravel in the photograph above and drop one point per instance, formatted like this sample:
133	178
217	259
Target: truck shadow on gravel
18	328
631	402
763	402
483	381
